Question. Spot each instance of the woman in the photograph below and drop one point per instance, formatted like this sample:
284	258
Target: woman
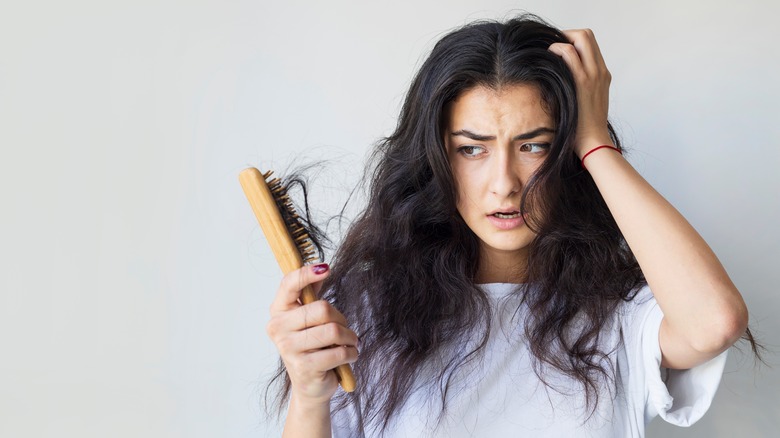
499	281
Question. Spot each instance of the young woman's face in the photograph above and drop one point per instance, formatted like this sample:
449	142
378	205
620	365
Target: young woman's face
495	141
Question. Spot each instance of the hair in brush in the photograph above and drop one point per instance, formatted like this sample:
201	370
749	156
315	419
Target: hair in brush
294	240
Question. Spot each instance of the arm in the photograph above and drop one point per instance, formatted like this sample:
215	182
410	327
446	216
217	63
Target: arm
312	339
704	313
307	419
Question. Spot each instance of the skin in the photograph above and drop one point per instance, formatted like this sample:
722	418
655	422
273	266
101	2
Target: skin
312	340
704	313
496	139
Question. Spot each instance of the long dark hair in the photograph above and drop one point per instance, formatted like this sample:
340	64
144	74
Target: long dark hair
404	275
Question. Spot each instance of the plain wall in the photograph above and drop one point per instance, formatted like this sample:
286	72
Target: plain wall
135	283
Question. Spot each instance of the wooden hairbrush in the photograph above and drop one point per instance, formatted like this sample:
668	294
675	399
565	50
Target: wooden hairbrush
286	235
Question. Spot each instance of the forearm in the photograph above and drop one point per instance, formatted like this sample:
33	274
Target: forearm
307	420
703	311
700	303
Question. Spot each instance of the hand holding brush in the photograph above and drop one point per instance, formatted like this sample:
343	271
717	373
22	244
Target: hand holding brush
311	335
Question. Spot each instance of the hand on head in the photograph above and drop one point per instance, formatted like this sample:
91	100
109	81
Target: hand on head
592	79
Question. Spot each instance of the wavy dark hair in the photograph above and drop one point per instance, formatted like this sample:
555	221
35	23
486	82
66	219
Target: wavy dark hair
404	275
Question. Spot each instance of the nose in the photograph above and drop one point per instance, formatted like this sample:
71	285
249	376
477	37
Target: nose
506	179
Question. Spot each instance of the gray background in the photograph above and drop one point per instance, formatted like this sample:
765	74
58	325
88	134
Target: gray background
135	282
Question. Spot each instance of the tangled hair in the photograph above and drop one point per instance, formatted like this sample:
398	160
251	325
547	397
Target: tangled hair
404	275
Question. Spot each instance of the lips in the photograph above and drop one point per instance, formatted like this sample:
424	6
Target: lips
506	215
506	219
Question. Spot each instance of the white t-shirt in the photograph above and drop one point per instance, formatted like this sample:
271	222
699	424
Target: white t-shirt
503	397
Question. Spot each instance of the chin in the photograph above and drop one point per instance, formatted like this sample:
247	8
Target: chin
504	246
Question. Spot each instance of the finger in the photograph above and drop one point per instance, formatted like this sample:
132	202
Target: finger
329	358
302	317
292	283
316	287
571	57
324	336
295	344
584	42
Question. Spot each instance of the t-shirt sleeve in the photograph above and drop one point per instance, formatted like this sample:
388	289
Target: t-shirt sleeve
680	397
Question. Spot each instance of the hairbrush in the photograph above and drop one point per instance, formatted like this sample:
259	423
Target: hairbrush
287	236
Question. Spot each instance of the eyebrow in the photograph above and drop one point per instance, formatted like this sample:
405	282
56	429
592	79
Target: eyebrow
525	136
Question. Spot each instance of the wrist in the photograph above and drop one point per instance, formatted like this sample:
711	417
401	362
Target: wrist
309	403
586	143
306	418
597	158
592	147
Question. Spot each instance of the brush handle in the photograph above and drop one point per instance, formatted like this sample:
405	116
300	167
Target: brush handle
286	252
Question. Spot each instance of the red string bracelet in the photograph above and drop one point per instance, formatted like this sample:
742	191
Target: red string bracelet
597	148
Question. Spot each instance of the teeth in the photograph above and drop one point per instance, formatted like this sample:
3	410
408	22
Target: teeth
506	216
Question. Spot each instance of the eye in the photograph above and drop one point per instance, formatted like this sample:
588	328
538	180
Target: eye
535	148
471	151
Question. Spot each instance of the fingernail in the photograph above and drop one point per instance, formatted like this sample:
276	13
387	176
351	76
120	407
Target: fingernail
320	269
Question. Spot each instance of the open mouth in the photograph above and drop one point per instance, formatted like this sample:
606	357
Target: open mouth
506	220
511	215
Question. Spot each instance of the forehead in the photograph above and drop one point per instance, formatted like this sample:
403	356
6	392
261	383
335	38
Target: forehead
489	111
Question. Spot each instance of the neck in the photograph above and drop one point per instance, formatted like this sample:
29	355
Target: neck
496	266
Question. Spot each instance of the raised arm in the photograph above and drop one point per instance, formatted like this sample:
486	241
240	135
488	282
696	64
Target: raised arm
704	313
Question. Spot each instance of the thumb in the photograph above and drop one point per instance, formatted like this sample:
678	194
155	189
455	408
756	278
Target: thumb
287	297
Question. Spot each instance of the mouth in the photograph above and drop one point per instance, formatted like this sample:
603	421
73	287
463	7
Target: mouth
506	215
507	219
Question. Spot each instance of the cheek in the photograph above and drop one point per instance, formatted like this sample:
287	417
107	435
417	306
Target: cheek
461	193
466	199
470	183
459	197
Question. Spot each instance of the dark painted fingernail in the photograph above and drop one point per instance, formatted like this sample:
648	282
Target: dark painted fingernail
320	269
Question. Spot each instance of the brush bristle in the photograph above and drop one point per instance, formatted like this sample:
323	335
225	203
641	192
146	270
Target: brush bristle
297	229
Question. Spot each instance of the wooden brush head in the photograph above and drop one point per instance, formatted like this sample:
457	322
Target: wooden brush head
286	234
296	228
283	228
